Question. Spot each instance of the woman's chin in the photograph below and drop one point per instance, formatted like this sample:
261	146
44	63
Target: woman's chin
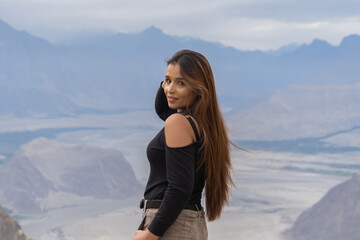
172	106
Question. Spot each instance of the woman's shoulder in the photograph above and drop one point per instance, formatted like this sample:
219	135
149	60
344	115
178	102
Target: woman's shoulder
178	130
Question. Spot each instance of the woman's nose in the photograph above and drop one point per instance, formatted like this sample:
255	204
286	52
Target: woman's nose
171	87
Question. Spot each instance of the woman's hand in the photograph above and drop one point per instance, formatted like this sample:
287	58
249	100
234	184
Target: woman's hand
144	235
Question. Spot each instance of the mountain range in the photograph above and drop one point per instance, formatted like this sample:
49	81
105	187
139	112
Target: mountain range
121	72
45	174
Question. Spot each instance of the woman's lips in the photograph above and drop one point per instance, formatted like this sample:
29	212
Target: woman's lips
172	99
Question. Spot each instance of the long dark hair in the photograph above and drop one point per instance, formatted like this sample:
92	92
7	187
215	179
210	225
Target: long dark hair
197	72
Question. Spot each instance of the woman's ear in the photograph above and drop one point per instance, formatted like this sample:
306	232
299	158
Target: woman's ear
163	84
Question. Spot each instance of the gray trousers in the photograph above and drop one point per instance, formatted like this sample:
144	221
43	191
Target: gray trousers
190	225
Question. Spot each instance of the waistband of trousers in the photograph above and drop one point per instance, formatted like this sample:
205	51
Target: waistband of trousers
145	204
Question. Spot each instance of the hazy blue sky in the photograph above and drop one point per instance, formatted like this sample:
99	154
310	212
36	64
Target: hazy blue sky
244	24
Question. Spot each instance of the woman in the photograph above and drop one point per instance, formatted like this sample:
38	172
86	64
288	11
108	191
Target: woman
191	152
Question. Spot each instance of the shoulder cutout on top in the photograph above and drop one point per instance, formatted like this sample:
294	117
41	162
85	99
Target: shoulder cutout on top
178	131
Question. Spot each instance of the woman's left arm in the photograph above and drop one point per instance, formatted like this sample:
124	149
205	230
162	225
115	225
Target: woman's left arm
180	172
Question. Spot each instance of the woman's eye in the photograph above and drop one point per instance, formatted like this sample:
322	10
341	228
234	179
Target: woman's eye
167	80
181	83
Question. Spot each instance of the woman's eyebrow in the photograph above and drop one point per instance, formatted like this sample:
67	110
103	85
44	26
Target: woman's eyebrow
179	78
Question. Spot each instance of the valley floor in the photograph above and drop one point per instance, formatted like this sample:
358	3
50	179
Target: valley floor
266	201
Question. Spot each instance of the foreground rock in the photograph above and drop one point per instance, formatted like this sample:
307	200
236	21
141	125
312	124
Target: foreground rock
336	216
9	228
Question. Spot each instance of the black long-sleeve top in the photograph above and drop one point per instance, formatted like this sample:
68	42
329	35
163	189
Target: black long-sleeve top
174	175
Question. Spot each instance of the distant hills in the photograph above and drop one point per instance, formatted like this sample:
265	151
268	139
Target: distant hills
45	174
308	113
336	216
9	228
114	73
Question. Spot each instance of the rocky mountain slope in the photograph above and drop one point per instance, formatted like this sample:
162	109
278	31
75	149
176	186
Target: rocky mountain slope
9	228
336	216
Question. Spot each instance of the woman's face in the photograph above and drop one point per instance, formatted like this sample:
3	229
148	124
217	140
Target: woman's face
178	93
